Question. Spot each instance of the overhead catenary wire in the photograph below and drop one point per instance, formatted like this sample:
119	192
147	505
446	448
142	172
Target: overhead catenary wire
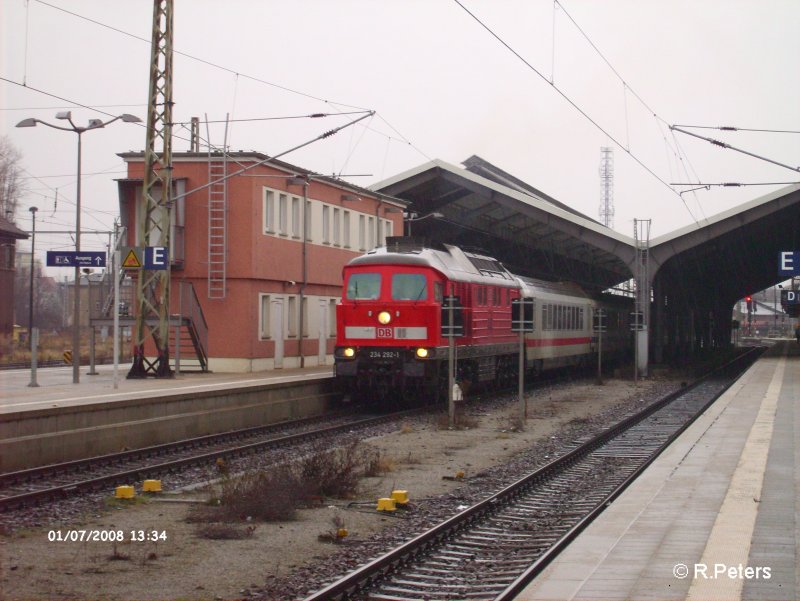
198	59
732	128
235	72
736	184
574	105
726	145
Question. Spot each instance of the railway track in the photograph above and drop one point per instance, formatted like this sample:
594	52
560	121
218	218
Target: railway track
42	484
492	550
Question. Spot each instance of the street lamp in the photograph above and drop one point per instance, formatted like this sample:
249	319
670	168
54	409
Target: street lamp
32	339
93	124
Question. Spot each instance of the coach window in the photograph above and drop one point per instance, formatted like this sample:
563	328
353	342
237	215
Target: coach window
409	286
364	286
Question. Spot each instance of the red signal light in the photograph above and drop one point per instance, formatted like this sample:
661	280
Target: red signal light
748	298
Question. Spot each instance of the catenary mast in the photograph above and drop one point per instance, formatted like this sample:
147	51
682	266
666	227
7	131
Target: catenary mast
607	186
153	210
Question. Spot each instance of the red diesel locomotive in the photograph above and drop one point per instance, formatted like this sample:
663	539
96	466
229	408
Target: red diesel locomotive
389	322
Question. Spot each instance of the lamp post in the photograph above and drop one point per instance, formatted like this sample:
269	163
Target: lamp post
33	339
93	124
412	217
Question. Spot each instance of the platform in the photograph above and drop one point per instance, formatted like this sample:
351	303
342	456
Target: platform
61	421
716	516
56	388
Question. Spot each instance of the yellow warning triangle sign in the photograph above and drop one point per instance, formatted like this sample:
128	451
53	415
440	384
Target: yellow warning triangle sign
131	260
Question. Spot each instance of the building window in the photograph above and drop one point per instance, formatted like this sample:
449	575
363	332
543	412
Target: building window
292	315
305	316
332	317
346	229
326	224
371	232
362	233
283	217
264	316
269	211
309	218
388	229
295	217
337	226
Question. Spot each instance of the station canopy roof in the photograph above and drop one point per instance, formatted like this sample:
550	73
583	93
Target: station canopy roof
717	260
480	207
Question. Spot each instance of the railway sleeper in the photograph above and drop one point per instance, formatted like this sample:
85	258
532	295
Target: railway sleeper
424	572
441	588
461	581
420	595
498	536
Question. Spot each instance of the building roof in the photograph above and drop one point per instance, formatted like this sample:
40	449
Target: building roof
242	156
531	233
9	230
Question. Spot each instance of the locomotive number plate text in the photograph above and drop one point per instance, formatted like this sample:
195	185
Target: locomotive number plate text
384	354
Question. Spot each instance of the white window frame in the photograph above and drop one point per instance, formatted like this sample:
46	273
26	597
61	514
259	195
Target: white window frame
326	224
309	219
346	228
283	214
337	226
264	332
269	211
332	317
296	217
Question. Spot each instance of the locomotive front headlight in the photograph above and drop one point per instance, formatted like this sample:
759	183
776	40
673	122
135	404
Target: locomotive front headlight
384	317
349	352
422	353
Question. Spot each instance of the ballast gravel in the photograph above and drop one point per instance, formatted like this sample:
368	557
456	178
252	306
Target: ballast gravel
443	471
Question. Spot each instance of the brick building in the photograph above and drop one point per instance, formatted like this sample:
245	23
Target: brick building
263	251
9	234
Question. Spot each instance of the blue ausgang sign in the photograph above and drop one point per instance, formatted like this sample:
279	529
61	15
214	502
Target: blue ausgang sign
789	263
71	258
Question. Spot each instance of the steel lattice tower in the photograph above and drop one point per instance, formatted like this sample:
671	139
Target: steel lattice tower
152	288
607	186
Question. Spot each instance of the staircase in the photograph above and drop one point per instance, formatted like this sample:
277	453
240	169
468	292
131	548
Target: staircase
188	332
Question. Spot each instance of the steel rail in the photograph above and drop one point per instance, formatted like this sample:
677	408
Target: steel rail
365	577
123	476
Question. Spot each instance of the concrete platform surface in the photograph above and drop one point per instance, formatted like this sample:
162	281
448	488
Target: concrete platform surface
716	516
57	390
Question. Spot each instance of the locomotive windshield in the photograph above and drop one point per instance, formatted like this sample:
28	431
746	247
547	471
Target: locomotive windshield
364	286
409	286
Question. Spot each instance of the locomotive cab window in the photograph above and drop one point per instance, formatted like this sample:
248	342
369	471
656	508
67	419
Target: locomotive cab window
409	286
364	286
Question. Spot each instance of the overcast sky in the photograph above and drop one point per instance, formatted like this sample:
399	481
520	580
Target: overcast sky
442	87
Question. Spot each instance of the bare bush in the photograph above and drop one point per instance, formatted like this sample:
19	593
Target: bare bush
267	496
335	473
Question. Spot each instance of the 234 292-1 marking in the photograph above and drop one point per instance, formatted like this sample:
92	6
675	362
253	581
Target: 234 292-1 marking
384	354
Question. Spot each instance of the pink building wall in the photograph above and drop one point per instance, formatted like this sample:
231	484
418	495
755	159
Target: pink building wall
267	268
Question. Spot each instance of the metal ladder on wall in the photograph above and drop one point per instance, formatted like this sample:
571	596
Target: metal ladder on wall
217	218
